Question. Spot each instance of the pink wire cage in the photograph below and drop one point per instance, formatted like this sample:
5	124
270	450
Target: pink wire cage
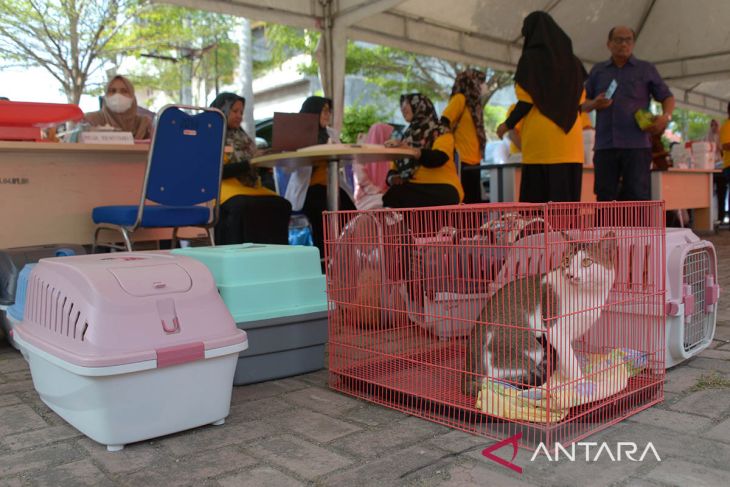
541	319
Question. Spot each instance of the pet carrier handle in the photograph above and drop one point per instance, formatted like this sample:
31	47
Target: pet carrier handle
712	293
688	299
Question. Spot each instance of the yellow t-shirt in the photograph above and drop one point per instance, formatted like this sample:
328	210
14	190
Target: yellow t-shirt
543	142
725	139
231	187
319	174
444	174
465	132
585	120
513	149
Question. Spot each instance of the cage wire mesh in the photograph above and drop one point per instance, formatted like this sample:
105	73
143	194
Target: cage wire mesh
498	319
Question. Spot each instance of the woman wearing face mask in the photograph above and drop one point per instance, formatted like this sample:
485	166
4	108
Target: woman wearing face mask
249	211
120	110
313	179
430	179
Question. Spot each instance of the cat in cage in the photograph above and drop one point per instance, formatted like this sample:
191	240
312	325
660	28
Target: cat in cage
511	341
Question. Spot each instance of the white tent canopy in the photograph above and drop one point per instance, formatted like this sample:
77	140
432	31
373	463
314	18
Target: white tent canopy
689	41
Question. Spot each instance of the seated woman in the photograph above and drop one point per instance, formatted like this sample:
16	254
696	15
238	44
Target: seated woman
249	211
370	177
430	179
314	178
120	110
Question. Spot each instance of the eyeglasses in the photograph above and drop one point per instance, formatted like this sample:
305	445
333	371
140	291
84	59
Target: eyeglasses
623	40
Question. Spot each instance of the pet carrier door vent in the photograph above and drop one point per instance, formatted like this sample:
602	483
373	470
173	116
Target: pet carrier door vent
696	320
51	309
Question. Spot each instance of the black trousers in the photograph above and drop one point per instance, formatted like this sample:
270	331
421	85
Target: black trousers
414	195
721	184
471	181
541	183
314	204
256	219
622	174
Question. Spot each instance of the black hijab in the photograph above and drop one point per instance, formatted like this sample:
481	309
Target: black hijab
549	71
315	104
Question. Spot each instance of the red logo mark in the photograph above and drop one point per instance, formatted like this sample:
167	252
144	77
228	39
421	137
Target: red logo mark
487	452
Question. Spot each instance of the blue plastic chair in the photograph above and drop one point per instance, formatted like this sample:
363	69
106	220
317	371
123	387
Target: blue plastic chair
183	178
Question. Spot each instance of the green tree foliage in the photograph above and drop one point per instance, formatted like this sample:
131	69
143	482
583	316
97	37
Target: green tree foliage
176	43
690	124
393	70
71	39
359	118
493	116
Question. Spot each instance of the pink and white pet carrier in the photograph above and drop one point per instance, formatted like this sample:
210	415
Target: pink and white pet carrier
692	295
129	346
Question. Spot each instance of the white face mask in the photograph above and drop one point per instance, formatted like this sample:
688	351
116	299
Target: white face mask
118	103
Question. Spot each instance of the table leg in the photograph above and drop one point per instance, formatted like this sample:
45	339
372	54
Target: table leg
333	185
703	216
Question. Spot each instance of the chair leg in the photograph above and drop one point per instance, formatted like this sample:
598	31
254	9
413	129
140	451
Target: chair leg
127	241
96	239
175	240
210	237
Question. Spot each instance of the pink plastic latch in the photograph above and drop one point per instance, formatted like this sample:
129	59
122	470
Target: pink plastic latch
180	354
168	315
712	293
688	299
672	308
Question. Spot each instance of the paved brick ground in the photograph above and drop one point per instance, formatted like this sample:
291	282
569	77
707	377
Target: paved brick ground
297	432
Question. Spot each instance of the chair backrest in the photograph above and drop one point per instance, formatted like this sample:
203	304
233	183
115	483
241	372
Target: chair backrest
186	158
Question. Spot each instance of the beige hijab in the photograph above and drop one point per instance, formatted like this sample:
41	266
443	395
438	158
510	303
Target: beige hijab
128	121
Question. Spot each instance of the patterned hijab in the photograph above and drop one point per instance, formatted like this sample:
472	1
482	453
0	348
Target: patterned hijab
128	121
425	127
244	148
468	83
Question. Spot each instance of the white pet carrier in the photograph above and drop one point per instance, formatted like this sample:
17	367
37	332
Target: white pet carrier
692	295
129	346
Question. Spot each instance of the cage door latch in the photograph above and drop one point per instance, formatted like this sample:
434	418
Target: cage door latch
688	299
712	293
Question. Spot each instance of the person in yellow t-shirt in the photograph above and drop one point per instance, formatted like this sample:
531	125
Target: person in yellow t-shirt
589	137
515	140
430	179
725	147
464	115
315	201
249	212
549	87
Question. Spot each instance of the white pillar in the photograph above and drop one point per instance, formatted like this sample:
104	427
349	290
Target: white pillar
246	74
337	75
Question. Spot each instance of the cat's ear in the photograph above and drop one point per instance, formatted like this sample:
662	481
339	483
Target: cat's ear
608	246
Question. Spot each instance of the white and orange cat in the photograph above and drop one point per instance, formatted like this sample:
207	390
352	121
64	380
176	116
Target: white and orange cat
516	340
